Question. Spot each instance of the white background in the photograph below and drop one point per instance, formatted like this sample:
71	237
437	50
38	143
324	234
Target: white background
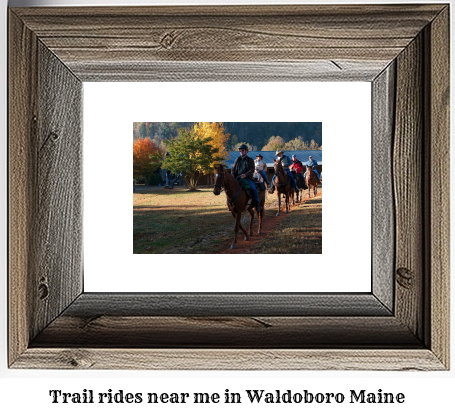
27	391
109	111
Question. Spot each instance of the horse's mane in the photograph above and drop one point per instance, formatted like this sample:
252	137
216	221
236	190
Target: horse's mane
228	175
279	166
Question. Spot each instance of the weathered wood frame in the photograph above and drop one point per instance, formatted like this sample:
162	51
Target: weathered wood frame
403	50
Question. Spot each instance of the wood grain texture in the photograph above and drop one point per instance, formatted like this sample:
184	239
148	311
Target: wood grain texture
383	215
89	305
256	332
308	71
45	184
58	190
235	359
22	131
407	183
438	194
53	49
144	35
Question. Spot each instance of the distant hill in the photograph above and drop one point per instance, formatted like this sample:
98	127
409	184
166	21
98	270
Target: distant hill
257	134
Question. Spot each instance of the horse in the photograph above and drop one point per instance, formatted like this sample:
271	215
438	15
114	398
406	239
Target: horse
311	181
283	185
237	202
300	182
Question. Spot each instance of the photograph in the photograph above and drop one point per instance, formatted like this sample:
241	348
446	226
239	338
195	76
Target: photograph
227	187
269	79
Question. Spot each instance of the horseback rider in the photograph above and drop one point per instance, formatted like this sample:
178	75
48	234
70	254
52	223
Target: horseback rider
285	163
261	167
297	166
314	164
244	167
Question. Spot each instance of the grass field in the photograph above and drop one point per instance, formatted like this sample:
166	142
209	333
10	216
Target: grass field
178	221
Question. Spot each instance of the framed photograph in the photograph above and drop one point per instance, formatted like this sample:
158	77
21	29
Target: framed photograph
402	323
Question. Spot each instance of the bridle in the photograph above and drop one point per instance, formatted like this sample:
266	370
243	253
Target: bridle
226	190
221	187
279	166
216	178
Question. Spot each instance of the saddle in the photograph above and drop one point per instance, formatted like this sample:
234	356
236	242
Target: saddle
260	186
245	186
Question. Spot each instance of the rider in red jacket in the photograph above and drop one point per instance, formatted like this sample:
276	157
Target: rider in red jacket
296	165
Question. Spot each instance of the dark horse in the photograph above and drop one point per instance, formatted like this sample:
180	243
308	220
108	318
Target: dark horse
237	201
300	182
283	185
312	180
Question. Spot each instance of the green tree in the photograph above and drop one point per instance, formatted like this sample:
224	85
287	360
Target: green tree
190	155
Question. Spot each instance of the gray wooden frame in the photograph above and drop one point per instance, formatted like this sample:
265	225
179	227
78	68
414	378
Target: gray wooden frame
403	324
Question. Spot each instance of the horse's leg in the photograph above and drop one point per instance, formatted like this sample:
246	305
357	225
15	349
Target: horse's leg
287	201
244	231
290	198
260	216
251	212
236	229
279	202
243	205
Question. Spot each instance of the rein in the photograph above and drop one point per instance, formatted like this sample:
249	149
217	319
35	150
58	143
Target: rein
284	174
227	190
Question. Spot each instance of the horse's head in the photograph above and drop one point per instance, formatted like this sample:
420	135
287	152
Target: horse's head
278	167
219	180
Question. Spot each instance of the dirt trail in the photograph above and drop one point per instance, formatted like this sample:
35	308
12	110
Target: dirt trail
269	223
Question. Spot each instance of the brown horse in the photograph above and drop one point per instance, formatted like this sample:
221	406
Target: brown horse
237	201
311	181
283	185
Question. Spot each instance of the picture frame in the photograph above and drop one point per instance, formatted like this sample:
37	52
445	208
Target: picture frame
402	324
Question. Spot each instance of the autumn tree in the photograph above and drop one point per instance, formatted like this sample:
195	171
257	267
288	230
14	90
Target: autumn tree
146	158
214	131
313	145
297	144
190	155
275	143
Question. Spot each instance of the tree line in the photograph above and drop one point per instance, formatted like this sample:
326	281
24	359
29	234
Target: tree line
191	149
257	135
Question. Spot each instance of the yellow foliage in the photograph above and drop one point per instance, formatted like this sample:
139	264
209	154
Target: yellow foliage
214	130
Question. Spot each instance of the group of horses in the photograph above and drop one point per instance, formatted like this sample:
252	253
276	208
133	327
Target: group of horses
238	199
284	186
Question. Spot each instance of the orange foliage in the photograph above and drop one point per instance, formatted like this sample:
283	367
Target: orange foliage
145	157
218	138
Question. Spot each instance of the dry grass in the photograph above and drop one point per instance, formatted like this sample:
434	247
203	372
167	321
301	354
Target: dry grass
178	221
300	232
